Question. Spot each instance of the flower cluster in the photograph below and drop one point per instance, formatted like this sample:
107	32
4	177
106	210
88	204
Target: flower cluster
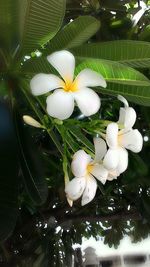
111	155
109	163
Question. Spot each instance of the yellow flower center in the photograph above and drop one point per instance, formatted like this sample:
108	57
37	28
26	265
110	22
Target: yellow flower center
90	168
70	86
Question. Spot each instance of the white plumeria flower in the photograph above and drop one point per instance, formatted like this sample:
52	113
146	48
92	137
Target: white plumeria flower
121	140
60	104
85	169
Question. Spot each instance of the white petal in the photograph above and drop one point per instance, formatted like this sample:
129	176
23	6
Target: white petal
111	159
100	148
88	78
88	101
127	117
80	162
100	172
123	160
43	83
60	104
112	135
123	100
75	188
132	140
90	190
64	62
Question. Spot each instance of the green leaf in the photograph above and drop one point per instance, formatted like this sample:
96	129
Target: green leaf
9	182
3	89
145	34
134	93
121	80
24	85
40	20
37	65
115	72
133	53
74	34
31	164
71	142
8	25
75	131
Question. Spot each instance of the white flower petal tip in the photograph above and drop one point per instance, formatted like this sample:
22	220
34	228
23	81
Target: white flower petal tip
80	162
70	202
112	135
32	122
123	100
43	83
64	62
90	190
103	181
132	140
90	78
60	104
88	101
100	148
74	189
112	177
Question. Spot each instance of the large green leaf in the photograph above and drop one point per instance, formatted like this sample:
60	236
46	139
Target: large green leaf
121	80
40	20
115	72
36	65
74	34
8	25
133	53
9	170
134	93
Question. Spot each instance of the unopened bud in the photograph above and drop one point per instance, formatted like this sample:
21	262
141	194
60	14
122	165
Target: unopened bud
32	122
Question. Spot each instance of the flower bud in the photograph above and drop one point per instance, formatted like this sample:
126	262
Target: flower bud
32	122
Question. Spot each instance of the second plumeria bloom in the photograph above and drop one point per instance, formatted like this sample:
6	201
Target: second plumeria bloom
121	140
68	90
85	170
